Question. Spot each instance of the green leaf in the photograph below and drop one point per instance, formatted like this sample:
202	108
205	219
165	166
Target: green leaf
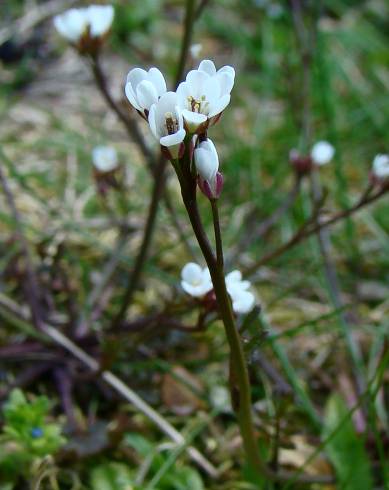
345	447
111	476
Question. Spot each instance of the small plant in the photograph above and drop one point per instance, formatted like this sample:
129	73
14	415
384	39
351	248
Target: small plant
27	437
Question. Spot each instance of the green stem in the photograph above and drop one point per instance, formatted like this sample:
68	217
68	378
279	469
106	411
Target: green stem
239	379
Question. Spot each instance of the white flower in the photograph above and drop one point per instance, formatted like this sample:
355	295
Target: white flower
242	300
144	88
205	93
93	21
207	162
381	166
195	280
322	152
166	123
104	158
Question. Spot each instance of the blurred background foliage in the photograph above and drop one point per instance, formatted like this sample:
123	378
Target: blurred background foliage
52	117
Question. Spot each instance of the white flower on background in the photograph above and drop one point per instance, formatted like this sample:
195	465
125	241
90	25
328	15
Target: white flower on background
322	152
166	123
195	280
104	158
381	166
243	301
144	88
94	21
205	93
195	50
207	165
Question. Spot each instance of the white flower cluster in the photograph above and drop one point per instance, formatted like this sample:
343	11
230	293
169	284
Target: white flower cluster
196	281
93	21
196	105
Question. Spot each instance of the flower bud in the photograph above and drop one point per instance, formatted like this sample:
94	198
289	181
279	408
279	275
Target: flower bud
322	153
207	165
104	159
380	170
105	165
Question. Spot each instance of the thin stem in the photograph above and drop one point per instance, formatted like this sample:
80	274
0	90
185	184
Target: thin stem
239	380
239	377
218	238
307	229
159	181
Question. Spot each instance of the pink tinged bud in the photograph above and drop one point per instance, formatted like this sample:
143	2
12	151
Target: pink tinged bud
219	182
212	190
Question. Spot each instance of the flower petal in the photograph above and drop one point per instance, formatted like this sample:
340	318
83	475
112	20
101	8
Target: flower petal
100	18
157	79
195	80
211	90
71	24
130	94
226	81
146	94
135	76
207	66
234	276
219	106
243	302
191	272
193	118
173	139
152	121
